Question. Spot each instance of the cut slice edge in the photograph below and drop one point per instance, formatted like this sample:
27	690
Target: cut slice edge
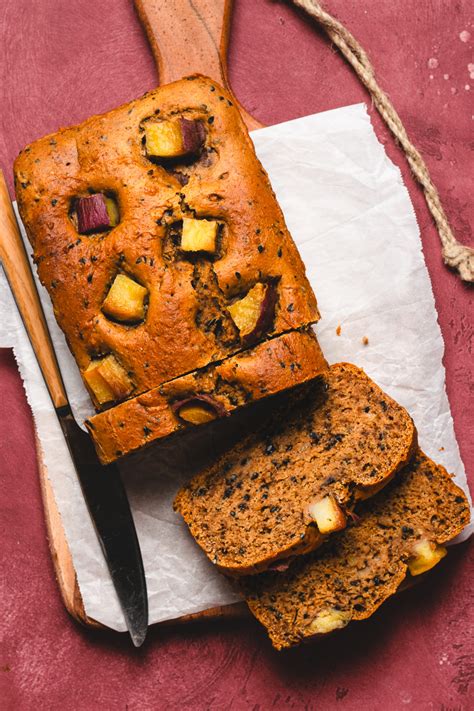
324	604
246	377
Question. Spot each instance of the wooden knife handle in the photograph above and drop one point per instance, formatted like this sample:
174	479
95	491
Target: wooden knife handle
190	37
17	269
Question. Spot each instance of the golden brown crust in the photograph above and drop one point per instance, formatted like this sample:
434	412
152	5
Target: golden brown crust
269	368
227	183
359	568
342	438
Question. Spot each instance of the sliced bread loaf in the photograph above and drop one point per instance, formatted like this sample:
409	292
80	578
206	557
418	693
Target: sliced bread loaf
280	491
401	530
207	394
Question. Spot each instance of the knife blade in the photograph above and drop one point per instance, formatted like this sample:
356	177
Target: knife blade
102	486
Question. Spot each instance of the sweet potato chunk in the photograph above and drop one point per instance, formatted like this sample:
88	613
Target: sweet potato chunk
254	313
174	138
199	235
96	213
328	515
107	380
125	300
425	556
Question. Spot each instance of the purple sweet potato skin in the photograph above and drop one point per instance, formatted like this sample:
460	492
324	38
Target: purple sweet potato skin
92	215
214	404
267	314
193	133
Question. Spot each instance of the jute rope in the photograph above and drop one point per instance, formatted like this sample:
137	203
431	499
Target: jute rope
455	255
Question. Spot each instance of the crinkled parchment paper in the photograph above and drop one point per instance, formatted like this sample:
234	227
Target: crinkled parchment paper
351	216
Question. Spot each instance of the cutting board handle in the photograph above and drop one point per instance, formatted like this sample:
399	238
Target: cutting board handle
190	37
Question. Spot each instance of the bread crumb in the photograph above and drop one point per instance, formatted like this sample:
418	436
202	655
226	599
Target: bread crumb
441	449
338	330
365	341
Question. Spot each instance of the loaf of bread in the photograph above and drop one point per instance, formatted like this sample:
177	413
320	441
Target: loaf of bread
206	394
282	490
400	532
157	234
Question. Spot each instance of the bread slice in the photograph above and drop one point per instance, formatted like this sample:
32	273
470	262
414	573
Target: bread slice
207	394
282	489
400	531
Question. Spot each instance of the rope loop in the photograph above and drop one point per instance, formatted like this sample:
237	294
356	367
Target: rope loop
455	255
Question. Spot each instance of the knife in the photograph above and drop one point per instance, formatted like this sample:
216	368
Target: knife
102	486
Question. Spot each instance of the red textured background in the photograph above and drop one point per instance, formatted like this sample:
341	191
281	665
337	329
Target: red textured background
61	61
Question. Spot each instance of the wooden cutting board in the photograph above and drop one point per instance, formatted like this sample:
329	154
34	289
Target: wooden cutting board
186	37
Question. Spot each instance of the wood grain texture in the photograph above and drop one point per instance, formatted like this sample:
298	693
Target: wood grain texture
60	66
59	549
18	272
190	37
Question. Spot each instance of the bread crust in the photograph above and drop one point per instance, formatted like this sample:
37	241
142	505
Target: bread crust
269	368
188	295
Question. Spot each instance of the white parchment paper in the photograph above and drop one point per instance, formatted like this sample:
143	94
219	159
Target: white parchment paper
351	216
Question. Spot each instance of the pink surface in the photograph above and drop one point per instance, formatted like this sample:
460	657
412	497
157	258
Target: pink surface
63	61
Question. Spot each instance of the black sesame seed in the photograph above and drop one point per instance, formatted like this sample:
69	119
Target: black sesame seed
147	431
335	439
54	202
89	278
279	253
